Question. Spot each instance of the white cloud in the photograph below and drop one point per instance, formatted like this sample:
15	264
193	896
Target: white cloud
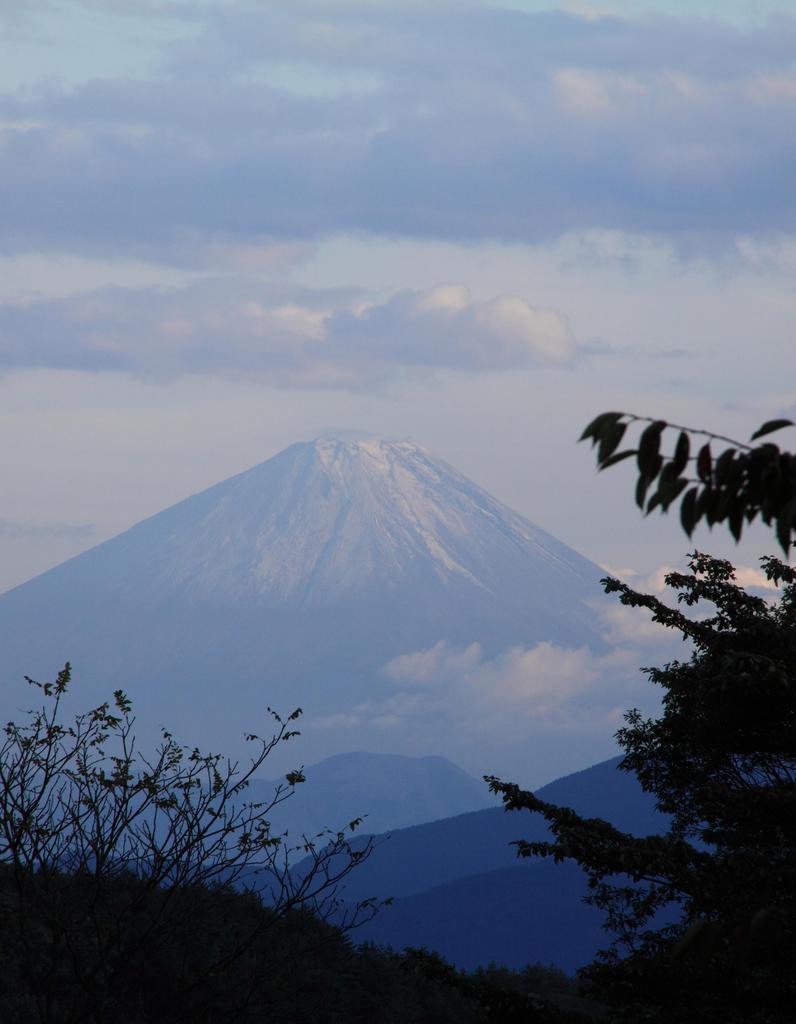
475	124
541	681
622	625
514	699
290	337
746	576
425	668
443	326
753	579
597	94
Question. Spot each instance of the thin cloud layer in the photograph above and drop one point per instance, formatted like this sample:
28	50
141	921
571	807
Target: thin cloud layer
459	122
292	337
525	705
516	707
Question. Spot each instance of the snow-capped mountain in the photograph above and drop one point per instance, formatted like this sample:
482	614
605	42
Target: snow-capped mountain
295	583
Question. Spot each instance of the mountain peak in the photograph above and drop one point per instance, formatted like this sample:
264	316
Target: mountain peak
300	581
332	517
375	454
327	519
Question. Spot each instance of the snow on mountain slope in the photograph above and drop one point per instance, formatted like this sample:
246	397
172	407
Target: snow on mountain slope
327	519
296	582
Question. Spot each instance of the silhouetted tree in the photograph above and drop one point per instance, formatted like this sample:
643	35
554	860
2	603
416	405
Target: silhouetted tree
721	760
109	859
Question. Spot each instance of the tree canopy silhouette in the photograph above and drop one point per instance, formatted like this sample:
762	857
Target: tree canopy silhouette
703	917
110	858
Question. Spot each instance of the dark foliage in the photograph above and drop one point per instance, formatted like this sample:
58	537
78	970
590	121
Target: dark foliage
114	862
721	760
735	486
140	890
496	995
298	970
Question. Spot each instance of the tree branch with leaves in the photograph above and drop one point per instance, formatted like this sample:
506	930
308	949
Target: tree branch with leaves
732	486
103	849
703	917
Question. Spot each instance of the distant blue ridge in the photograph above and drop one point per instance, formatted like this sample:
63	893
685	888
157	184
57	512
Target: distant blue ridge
459	888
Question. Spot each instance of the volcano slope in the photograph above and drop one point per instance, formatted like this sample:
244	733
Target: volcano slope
295	583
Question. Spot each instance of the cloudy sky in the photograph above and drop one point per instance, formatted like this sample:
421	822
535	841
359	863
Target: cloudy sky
231	225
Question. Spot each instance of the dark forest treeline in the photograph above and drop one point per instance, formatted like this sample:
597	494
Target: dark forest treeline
127	895
224	956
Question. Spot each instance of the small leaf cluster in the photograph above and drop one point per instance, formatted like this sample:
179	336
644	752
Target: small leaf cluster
734	485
